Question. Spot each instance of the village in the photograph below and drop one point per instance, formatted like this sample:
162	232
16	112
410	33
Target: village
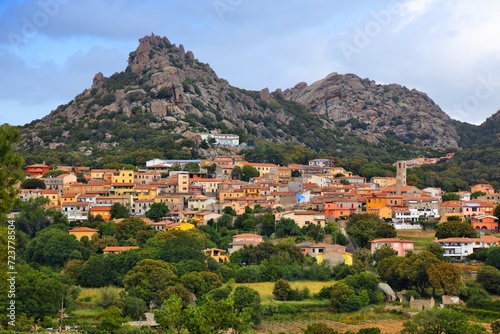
317	193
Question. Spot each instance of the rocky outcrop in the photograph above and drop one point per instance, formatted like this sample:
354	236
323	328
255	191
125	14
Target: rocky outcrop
375	111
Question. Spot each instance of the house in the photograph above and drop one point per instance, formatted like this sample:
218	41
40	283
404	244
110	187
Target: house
334	254
322	162
304	217
76	211
245	239
118	249
401	246
219	255
382	181
221	139
484	223
460	248
80	232
60	182
36	170
140	207
104	211
476	207
200	202
485	188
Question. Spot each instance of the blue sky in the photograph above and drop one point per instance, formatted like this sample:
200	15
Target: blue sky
51	49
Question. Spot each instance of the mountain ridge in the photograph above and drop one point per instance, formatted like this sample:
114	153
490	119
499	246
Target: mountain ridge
167	96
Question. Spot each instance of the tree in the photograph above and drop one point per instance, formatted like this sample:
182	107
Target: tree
236	173
455	229
450	197
53	247
341	292
445	321
133	228
157	211
149	278
247	298
286	227
383	252
495	326
10	168
493	257
477	194
32	216
363	228
319	328
489	277
170	316
496	212
281	289
192	167
414	268
248	172
445	276
33	184
111	319
119	210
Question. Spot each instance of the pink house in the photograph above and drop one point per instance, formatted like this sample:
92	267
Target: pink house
241	240
399	245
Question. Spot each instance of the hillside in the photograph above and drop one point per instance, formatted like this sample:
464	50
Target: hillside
165	97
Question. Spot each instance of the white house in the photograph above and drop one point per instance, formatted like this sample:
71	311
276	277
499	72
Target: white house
222	139
76	211
459	248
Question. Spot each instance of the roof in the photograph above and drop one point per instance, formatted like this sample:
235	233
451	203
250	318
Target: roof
119	248
393	240
82	229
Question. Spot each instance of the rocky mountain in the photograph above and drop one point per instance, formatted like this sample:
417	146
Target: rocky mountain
165	97
376	111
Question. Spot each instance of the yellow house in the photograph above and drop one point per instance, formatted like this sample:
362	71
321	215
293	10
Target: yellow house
230	194
80	232
383	181
183	226
123	176
383	212
69	197
218	255
252	190
374	202
145	192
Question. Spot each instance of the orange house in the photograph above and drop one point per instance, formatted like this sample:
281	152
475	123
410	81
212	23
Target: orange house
336	210
103	211
484	223
80	232
36	170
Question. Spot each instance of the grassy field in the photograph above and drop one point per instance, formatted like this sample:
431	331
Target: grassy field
421	238
265	289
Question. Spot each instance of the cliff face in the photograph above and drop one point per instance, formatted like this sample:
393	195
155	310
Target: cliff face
375	111
166	92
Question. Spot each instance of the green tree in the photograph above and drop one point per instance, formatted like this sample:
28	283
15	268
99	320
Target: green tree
149	278
281	289
33	184
119	210
445	321
236	173
248	172
32	216
450	197
477	194
496	212
341	292
157	211
383	252
52	247
493	257
247	298
286	227
111	319
455	229
192	167
414	269
171	317
489	277
133	228
319	328
445	276
363	228
495	326
10	168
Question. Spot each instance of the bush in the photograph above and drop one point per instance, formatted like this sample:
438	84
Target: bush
319	328
281	290
248	274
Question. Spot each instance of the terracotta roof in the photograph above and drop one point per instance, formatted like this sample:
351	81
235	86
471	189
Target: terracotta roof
82	229
118	249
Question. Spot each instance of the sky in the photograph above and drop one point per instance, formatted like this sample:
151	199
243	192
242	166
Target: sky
449	49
